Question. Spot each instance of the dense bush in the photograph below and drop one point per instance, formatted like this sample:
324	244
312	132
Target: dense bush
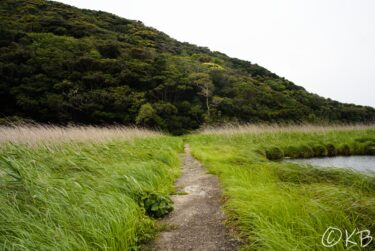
274	153
306	151
60	64
319	150
344	150
331	149
357	147
292	152
370	148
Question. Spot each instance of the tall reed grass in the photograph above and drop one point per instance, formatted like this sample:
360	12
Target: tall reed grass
78	188
229	129
39	134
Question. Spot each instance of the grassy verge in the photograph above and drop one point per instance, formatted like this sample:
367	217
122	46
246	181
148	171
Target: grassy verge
82	195
283	206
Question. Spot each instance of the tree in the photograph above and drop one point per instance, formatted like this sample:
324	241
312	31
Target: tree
147	116
206	87
60	64
109	49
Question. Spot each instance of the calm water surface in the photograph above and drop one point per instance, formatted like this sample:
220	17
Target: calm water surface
358	163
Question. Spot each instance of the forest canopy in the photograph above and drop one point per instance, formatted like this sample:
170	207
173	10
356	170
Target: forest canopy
60	64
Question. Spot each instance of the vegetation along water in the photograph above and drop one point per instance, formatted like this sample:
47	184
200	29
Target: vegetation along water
284	206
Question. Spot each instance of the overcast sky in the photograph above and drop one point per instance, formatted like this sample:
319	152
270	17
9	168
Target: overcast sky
326	46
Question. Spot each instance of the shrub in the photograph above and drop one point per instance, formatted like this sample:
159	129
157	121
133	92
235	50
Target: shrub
305	152
156	205
358	148
370	148
365	139
292	152
344	150
274	153
331	150
319	150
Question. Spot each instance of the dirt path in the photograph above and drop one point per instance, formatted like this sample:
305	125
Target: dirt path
197	217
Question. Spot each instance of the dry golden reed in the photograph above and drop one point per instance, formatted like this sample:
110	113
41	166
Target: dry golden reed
36	134
272	128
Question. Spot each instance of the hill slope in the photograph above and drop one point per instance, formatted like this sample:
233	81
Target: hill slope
61	64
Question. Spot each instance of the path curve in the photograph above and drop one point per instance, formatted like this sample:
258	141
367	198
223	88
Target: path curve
197	217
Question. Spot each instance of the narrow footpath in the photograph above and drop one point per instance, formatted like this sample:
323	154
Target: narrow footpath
197	220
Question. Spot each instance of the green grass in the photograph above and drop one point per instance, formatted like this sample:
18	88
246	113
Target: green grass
82	196
284	206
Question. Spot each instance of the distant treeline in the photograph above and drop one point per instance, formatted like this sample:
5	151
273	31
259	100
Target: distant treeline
61	64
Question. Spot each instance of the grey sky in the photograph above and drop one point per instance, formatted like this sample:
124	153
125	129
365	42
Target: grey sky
326	46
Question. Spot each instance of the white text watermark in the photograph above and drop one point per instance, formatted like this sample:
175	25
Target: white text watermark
333	236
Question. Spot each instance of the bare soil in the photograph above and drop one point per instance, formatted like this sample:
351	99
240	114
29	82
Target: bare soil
197	219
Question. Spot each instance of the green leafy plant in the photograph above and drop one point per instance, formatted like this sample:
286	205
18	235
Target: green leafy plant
156	205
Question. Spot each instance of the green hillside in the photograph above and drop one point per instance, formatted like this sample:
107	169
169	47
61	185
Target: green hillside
60	64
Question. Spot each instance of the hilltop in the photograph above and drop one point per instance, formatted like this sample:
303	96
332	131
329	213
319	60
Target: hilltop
60	64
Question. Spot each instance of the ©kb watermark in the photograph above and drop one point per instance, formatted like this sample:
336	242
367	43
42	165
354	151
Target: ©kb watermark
333	236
